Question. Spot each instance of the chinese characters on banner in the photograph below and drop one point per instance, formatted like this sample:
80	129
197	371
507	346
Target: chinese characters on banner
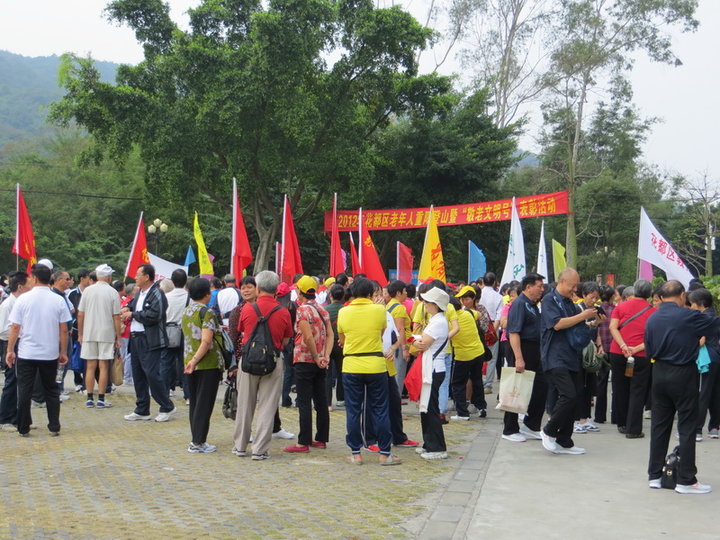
546	204
653	248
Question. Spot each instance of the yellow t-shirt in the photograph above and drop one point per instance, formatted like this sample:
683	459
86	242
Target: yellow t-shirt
362	323
398	311
422	317
466	343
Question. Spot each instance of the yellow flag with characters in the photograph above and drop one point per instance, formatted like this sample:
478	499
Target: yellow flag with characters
206	266
432	263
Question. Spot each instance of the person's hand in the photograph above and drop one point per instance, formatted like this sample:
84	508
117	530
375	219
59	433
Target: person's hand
80	338
519	365
117	343
190	367
589	313
62	359
10	358
125	315
390	353
406	354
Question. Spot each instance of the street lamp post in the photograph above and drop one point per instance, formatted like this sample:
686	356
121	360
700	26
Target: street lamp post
155	228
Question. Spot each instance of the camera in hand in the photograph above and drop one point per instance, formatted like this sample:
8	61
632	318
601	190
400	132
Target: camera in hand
600	311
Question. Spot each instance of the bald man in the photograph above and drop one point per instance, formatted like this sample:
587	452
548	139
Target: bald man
563	335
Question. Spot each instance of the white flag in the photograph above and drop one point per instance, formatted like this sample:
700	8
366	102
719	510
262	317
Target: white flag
163	268
653	248
542	267
515	264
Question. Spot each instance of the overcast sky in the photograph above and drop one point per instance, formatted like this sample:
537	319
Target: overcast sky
685	97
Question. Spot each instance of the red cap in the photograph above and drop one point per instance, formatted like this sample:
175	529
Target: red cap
283	289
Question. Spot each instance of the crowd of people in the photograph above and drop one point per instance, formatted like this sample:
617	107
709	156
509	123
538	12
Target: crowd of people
370	347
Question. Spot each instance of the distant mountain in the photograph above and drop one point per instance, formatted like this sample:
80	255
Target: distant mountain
27	87
528	159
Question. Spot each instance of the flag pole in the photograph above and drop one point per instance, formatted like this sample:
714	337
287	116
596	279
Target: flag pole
468	263
17	226
282	251
360	236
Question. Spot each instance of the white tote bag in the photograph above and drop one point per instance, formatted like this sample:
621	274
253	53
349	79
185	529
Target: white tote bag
515	390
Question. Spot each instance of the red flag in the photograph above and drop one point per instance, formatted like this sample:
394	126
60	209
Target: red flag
290	262
24	245
337	263
405	262
369	258
356	268
241	252
139	252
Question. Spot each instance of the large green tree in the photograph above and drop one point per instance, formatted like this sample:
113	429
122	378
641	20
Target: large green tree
284	96
593	42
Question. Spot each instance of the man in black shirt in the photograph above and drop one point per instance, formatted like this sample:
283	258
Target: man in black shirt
672	337
523	329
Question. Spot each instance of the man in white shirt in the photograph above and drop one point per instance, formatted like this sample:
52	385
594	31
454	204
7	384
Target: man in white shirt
39	319
493	302
228	298
8	401
172	362
99	331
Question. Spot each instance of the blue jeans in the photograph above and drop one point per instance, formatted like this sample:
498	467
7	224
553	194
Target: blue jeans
371	388
146	377
445	386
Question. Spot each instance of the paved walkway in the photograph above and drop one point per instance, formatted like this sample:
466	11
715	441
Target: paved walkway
108	478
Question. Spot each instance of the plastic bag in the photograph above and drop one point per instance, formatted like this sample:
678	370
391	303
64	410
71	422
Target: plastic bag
413	379
515	390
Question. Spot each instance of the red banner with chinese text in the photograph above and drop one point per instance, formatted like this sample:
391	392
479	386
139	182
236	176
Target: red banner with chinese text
544	204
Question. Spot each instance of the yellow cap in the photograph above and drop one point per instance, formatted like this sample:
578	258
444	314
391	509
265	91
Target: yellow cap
306	283
465	290
329	281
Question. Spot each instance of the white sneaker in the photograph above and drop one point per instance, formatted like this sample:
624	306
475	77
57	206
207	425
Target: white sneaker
434	455
8	428
165	416
548	442
64	397
529	433
580	428
575	450
419	450
132	417
696	489
472	409
656	483
282	434
456	417
589	426
514	437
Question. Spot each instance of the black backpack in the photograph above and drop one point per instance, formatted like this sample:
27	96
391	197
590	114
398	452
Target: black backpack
670	469
259	356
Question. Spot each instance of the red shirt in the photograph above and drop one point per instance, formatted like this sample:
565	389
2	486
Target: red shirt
633	333
124	301
279	323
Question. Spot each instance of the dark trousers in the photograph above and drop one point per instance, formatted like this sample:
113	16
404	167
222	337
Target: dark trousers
462	372
202	387
568	386
172	365
395	413
630	392
146	376
432	428
601	396
372	388
288	377
9	399
709	389
334	375
310	384
536	407
675	388
504	354
587	390
26	372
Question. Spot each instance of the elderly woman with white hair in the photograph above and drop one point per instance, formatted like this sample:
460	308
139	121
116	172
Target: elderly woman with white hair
432	343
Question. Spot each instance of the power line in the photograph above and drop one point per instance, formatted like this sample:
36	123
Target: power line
89	196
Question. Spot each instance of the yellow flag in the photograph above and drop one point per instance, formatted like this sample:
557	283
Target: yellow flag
559	263
432	264
206	266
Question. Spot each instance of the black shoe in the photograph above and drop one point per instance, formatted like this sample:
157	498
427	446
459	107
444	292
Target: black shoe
621	429
634	435
482	413
443	419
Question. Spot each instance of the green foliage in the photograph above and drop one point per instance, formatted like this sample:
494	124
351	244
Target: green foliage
73	231
250	92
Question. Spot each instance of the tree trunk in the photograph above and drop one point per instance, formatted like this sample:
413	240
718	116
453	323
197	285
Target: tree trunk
571	240
266	247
